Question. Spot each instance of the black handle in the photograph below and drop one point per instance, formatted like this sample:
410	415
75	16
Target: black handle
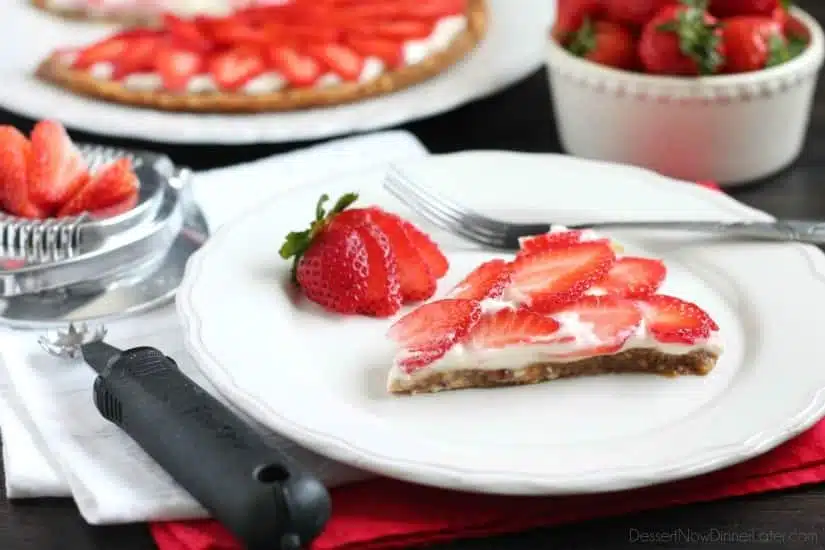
264	497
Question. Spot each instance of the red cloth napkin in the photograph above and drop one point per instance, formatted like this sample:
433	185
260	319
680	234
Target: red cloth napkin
382	513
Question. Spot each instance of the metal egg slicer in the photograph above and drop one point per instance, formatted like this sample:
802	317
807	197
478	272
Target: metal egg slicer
57	271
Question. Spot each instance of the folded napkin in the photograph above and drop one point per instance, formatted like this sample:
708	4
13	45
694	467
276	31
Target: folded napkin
380	513
55	443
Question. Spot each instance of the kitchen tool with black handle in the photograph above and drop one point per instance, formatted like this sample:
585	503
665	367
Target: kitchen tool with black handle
263	496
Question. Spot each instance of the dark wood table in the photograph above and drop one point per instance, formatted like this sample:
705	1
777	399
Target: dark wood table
518	119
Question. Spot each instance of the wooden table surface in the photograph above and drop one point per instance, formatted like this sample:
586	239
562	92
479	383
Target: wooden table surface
518	119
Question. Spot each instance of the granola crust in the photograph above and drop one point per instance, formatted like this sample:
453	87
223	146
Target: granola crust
646	361
82	83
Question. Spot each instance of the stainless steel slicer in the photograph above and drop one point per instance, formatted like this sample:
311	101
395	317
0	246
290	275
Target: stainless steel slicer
77	269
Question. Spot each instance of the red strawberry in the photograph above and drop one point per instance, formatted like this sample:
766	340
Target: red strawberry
418	282
731	8
235	31
177	66
388	51
571	15
682	40
674	321
298	69
237	66
633	277
186	33
402	30
116	209
345	262
14	168
110	49
138	57
112	185
635	13
753	43
605	43
339	59
486	281
56	169
548	280
428	332
433	9
614	320
546	241
509	327
383	297
429	251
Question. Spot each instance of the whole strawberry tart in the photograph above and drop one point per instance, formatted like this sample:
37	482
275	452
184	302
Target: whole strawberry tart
568	305
293	55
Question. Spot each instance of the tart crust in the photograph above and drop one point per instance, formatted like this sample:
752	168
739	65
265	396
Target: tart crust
648	361
81	82
85	15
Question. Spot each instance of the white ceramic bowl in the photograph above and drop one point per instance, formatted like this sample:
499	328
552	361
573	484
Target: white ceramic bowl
733	129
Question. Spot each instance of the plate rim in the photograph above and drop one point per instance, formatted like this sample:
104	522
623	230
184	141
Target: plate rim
703	461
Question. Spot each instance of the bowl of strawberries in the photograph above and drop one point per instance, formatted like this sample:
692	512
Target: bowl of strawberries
695	89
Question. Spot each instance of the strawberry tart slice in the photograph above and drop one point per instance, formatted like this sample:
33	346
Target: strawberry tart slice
294	55
568	305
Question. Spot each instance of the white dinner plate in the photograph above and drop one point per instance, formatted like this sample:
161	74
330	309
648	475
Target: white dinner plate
513	48
320	378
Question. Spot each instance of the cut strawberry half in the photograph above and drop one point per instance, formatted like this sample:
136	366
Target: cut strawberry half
299	70
56	169
632	277
112	185
383	293
339	59
486	281
177	66
548	280
509	327
15	151
427	249
390	52
548	241
613	320
672	320
428	332
234	68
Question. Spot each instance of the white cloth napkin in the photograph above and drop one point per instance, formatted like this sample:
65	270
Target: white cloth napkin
55	443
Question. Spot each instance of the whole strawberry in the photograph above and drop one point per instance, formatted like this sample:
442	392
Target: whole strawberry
753	43
682	40
571	15
344	267
634	13
731	8
606	43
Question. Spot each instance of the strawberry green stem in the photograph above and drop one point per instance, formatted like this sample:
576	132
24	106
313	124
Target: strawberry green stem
583	40
698	40
297	243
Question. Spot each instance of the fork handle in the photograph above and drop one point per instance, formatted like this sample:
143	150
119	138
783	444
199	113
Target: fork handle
802	231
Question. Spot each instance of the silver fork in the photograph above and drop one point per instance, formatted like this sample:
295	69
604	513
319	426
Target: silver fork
456	218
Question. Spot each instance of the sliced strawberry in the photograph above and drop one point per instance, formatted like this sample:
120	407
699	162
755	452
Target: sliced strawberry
553	278
56	169
509	327
177	66
116	209
674	321
110	49
339	59
233	68
427	333
299	70
486	281
434	9
315	34
417	280
383	294
138	57
613	321
331	271
632	277
401	30
186	33
112	185
546	241
235	31
429	251
390	52
14	168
